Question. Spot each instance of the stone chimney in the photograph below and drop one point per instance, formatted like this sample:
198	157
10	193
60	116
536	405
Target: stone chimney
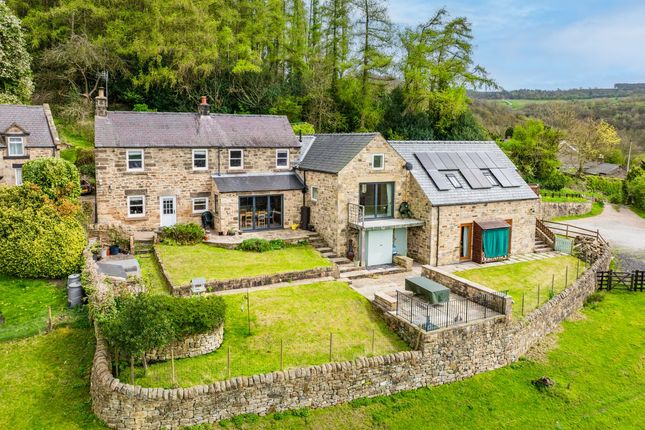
204	107
101	103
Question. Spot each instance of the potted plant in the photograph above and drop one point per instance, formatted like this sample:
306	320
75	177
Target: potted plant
232	231
95	249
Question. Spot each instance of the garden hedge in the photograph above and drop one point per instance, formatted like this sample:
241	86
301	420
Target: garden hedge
183	234
38	239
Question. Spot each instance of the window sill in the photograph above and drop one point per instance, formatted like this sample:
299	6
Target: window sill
16	157
136	172
137	218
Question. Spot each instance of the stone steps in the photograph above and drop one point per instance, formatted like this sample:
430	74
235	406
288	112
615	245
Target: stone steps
368	273
347	267
143	246
339	260
540	246
323	249
330	255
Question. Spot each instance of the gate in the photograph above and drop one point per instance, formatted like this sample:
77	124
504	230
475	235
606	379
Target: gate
632	281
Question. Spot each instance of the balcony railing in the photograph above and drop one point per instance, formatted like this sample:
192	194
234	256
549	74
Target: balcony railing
356	214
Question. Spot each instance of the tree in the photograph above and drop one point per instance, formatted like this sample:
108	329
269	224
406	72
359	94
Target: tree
375	35
534	150
16	85
57	178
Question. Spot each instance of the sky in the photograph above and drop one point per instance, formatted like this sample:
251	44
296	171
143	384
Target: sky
548	44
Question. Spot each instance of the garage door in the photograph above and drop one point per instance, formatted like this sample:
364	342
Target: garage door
379	247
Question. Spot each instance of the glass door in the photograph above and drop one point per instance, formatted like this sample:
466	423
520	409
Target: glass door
246	213
275	216
465	245
260	212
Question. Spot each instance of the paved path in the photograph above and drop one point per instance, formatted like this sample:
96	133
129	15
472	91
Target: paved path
625	232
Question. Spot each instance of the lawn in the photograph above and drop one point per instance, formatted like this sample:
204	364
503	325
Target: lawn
24	302
597	364
302	317
524	278
183	263
44	380
151	274
596	209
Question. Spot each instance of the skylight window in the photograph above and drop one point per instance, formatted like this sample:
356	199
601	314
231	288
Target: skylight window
453	180
490	178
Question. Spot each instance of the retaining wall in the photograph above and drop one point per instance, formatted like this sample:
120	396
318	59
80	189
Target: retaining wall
550	210
190	346
445	355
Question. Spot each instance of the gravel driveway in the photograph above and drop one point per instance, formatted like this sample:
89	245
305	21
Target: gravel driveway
624	230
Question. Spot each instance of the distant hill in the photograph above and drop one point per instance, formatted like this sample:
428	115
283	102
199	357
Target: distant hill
619	90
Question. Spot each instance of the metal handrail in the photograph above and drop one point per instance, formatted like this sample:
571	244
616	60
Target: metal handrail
356	214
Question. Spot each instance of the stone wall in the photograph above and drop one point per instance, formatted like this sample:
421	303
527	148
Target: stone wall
248	282
8	164
324	209
550	210
191	346
445	355
168	172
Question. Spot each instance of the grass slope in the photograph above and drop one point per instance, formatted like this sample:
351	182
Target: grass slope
524	278
44	380
302	317
184	263
24	302
151	274
598	366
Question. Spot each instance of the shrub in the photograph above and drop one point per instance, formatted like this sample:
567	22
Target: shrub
142	322
610	187
38	239
636	190
57	178
262	245
183	234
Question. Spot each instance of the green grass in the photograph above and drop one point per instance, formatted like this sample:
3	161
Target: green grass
302	317
44	380
638	211
524	278
596	209
183	263
24	302
597	364
151	273
72	136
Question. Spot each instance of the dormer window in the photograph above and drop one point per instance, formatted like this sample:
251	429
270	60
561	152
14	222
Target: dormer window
135	160
378	161
16	146
454	180
200	159
235	159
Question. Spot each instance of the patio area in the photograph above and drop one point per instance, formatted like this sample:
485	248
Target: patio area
288	235
522	258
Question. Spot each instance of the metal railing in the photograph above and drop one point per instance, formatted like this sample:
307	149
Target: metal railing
356	214
430	317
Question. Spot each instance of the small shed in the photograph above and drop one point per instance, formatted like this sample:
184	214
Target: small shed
491	240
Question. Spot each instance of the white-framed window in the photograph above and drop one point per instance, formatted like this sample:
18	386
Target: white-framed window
282	158
378	161
16	146
18	174
314	194
135	160
235	159
200	204
136	206
200	159
454	180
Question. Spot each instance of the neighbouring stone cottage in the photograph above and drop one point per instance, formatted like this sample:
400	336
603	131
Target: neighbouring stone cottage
26	133
466	200
155	169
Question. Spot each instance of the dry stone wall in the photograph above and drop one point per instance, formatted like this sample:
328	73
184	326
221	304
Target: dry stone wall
550	210
444	356
191	346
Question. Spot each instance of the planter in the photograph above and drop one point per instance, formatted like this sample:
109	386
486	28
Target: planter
114	249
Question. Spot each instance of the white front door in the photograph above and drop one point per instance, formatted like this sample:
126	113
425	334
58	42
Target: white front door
168	210
379	247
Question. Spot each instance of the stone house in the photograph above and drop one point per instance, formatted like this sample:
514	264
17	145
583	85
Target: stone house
26	133
155	169
437	202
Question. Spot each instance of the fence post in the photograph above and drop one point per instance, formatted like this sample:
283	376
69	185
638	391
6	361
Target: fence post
538	304
281	354
566	276
609	281
552	281
522	303
373	338
50	323
248	310
228	362
567	231
578	269
467	310
172	367
331	343
132	369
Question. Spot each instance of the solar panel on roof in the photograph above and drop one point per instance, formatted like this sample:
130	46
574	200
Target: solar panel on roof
437	177
458	160
475	178
512	176
446	160
437	161
478	162
501	178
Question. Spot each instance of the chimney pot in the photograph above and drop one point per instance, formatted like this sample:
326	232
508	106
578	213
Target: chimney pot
204	107
101	103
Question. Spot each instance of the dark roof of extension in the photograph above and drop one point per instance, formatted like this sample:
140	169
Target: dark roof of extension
467	162
252	182
191	130
31	119
330	153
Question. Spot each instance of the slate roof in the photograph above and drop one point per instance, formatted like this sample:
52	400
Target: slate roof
329	153
191	130
601	168
253	182
494	158
33	120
